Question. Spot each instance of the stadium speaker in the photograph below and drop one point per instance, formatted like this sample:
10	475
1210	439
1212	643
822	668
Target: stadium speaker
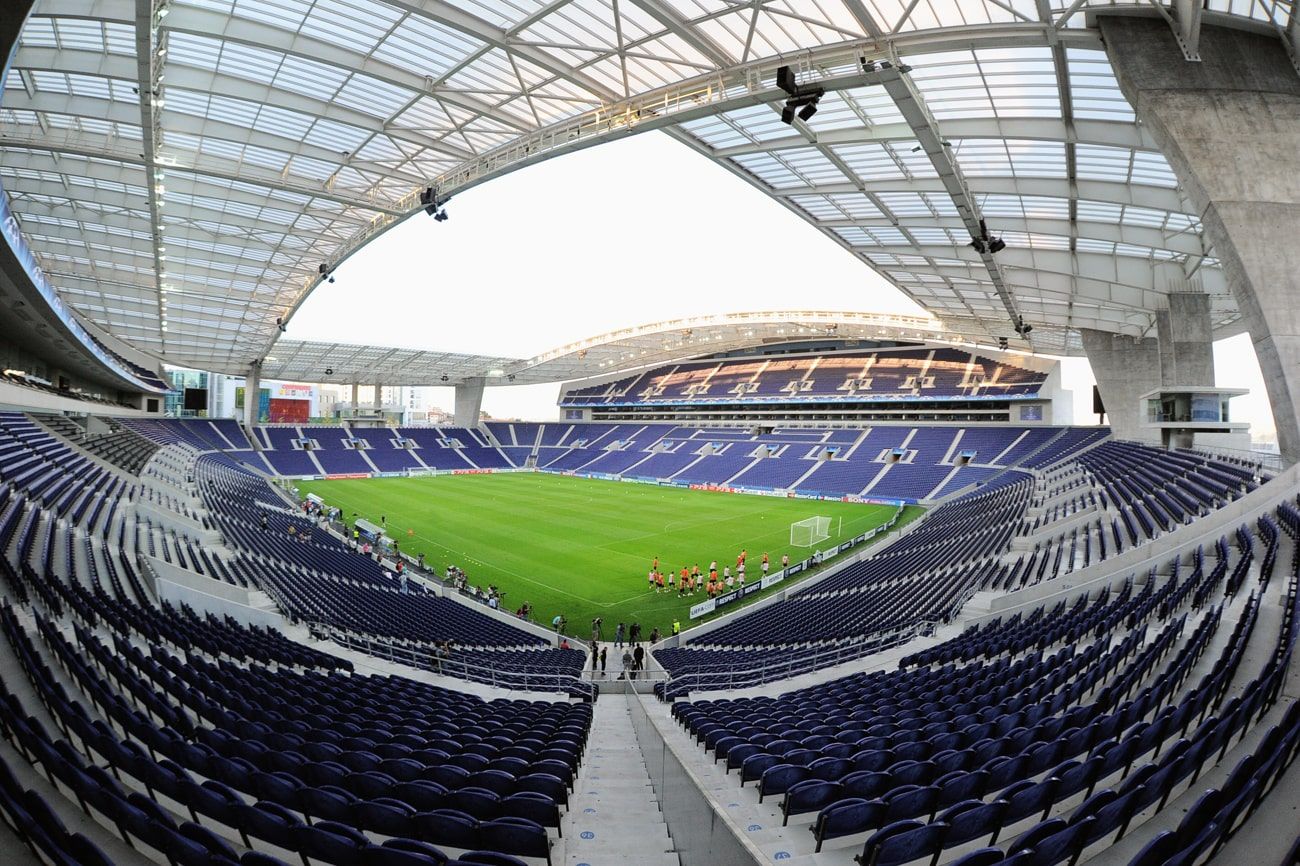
1098	407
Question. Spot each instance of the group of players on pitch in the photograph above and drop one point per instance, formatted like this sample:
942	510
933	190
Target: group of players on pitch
688	580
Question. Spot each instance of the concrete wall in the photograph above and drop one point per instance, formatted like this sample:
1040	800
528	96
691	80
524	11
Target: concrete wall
469	402
1230	127
1125	369
702	836
206	595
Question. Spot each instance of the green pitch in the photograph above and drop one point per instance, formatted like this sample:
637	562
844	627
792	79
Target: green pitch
582	546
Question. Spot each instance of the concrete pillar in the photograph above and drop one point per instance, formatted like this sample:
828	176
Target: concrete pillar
1186	351
1186	341
469	402
252	392
1230	128
379	398
1125	369
356	390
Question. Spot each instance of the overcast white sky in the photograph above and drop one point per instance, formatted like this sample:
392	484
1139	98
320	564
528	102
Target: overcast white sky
629	232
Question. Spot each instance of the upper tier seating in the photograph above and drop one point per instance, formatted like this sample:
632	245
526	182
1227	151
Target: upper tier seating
886	374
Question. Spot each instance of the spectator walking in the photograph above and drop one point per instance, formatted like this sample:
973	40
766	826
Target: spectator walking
618	635
627	664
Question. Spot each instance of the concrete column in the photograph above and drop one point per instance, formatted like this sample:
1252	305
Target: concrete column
469	402
1125	369
252	391
1186	341
1230	128
379	398
356	390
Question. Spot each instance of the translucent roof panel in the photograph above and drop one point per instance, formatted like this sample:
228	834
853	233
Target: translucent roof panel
276	137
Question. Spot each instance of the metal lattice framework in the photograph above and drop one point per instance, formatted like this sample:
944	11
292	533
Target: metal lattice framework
184	168
630	348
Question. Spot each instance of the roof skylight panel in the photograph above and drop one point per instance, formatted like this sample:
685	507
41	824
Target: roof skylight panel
871	161
336	136
81	33
1151	168
855	236
812	165
716	133
1096	162
374	97
288	125
17	117
1094	90
240	61
434	47
39	32
487	75
935	236
286	14
500	13
874	103
769	170
119	38
310	78
817	207
583	22
855	206
906	204
1010	158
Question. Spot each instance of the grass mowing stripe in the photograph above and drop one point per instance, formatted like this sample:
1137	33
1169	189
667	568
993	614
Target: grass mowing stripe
582	546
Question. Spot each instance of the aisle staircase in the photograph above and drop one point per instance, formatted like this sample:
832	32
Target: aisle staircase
614	816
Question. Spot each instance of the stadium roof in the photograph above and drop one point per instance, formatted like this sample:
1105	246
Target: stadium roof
605	354
184	168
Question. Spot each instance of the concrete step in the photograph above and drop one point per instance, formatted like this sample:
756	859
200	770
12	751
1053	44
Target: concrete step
614	816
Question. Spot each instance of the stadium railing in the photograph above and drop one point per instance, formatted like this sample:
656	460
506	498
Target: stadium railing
689	682
450	665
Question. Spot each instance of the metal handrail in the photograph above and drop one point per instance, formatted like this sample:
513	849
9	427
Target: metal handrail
689	681
425	658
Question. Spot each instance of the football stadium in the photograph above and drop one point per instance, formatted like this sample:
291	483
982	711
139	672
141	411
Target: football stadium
649	432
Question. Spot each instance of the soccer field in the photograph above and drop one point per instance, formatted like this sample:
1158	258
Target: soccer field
582	546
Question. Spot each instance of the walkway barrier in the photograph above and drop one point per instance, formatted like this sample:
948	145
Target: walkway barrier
701	834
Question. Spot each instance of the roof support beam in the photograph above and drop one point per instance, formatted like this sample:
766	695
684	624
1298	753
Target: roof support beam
912	106
149	68
1113	192
1099	132
114	149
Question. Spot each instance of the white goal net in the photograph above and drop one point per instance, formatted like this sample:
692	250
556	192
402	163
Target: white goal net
806	533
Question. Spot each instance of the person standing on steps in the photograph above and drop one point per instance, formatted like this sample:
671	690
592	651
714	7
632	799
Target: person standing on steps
618	635
603	651
638	659
627	664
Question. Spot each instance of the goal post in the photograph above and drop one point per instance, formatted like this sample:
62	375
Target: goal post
809	531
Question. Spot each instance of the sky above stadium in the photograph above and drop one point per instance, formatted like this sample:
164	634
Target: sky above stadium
630	232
